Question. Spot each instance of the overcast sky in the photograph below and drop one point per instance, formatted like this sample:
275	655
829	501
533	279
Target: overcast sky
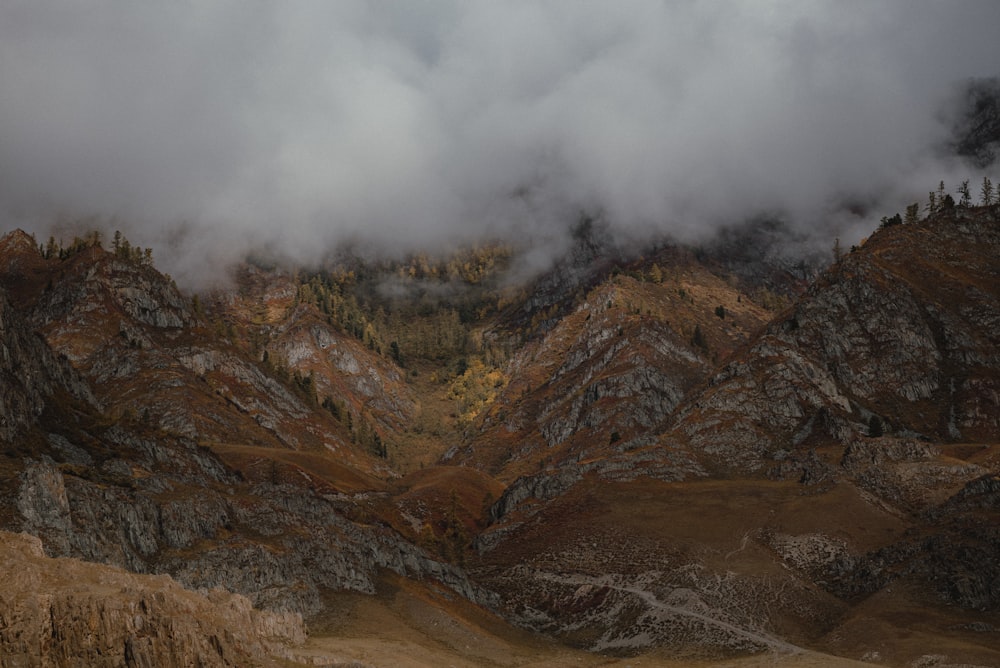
300	124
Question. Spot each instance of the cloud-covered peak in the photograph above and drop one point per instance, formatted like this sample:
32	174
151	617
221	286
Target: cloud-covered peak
302	124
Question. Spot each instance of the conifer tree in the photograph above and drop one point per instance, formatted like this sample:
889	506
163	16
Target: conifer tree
889	222
698	339
655	273
986	193
875	426
965	197
932	204
912	214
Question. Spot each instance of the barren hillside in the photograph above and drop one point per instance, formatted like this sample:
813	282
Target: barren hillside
646	456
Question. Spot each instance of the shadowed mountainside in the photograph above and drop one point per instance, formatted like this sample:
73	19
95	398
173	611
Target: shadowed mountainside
635	454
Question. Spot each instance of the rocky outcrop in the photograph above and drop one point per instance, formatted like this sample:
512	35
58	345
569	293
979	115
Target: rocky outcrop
540	487
69	613
145	353
29	374
298	337
132	487
600	382
280	545
635	376
850	403
245	387
343	368
875	339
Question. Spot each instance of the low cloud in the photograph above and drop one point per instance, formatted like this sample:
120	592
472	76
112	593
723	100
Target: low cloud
209	128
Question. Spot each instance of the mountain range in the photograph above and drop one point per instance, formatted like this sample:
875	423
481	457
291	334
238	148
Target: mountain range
674	456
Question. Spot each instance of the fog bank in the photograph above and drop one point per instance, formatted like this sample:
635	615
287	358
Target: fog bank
207	128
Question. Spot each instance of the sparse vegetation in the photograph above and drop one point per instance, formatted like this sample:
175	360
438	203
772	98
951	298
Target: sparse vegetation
474	389
889	222
698	339
552	398
418	308
940	201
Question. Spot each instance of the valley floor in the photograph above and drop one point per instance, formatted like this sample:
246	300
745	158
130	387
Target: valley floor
401	627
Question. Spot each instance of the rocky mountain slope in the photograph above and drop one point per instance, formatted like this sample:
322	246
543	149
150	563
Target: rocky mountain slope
831	460
901	332
137	437
606	376
678	450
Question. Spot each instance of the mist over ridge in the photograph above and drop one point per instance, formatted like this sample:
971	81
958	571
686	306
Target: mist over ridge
207	130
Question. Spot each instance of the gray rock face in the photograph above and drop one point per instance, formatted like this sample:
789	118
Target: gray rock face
601	380
341	366
637	380
540	486
166	525
134	490
873	337
29	374
43	503
119	321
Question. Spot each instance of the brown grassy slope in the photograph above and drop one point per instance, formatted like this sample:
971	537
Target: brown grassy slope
406	626
754	555
441	508
318	471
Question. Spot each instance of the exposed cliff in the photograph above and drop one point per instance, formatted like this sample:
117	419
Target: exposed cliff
182	472
70	613
30	373
606	377
265	308
901	333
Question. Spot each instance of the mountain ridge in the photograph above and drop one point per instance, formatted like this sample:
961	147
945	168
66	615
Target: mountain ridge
766	477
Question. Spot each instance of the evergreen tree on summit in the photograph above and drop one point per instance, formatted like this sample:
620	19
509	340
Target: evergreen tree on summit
965	197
